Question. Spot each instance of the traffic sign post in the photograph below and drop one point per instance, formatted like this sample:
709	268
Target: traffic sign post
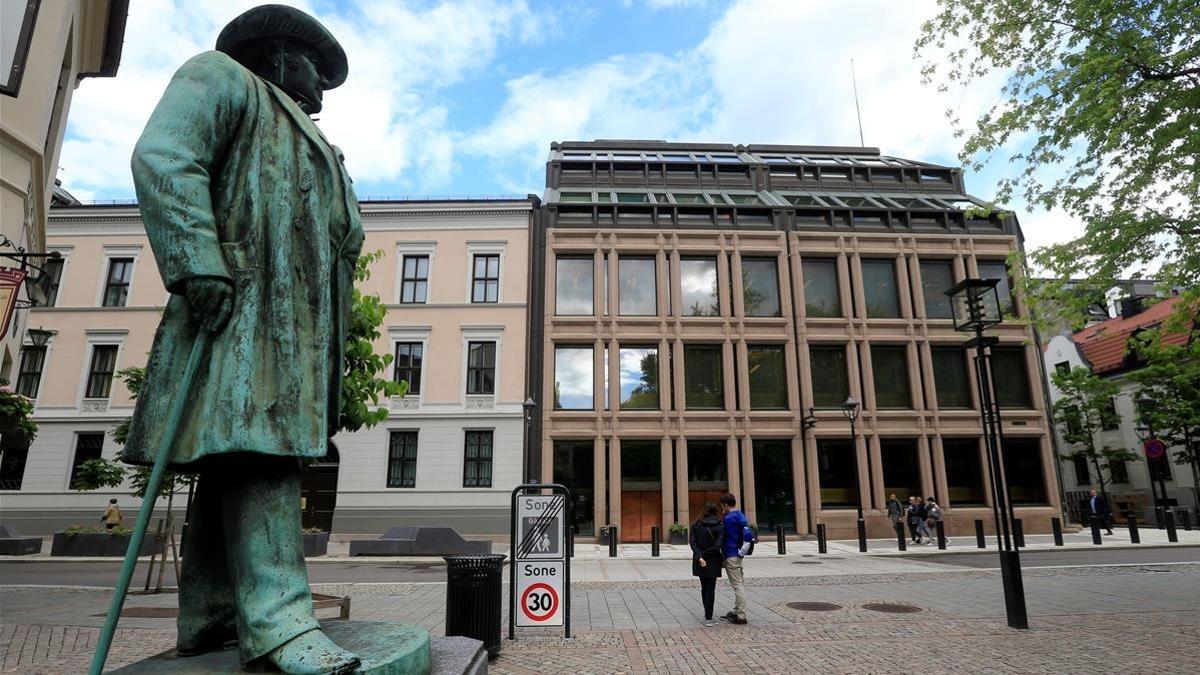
540	564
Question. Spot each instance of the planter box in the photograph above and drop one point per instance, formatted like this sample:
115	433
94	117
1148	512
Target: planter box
315	544
97	545
677	538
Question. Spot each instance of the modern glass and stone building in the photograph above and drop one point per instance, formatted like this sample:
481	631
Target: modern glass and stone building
700	312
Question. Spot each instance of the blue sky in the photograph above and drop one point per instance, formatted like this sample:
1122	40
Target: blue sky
465	96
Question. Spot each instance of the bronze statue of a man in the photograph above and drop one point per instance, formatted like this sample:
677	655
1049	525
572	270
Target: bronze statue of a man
255	228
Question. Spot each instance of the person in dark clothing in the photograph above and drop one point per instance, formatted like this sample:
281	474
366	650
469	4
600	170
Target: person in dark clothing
895	510
915	513
707	537
1098	508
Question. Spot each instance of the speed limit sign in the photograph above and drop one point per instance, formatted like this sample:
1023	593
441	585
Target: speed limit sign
539	594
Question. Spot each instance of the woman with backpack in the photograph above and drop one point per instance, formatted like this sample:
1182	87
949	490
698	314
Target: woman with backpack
933	514
706	538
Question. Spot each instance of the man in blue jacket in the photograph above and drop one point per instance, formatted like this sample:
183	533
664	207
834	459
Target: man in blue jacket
735	527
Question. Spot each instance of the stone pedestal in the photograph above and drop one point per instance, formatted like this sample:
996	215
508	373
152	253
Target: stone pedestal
385	649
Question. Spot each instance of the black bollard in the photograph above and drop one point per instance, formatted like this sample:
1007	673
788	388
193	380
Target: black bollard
1096	540
1169	517
654	536
612	541
901	540
862	536
1018	533
979	539
940	527
1056	525
1185	518
782	542
1134	537
822	545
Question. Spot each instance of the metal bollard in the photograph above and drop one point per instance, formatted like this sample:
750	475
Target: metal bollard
862	536
612	541
979	539
1056	525
940	527
654	538
1169	517
822	544
782	542
1018	531
1096	540
901	540
1134	537
1185	518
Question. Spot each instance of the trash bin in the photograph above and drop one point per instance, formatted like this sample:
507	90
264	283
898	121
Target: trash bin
473	598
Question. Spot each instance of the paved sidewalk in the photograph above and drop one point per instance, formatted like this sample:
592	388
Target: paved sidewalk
1083	619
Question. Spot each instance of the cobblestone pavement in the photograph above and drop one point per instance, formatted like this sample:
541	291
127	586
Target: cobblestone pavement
1082	619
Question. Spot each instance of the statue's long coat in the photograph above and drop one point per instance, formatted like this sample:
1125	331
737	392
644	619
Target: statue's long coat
235	182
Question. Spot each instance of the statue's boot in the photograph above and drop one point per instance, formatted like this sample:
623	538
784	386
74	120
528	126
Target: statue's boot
312	653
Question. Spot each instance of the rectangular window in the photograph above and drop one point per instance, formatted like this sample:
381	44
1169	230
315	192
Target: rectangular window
1023	469
407	365
574	467
964	470
999	271
485	279
950	377
703	377
29	377
402	459
481	368
100	374
477	459
573	287
830	380
835	472
767	377
937	276
698	279
707	474
87	446
573	378
1083	475
890	365
639	378
821	288
637	286
1010	377
14	451
54	269
116	286
1063	367
414	279
879	288
901	471
760	287
1118	471
1109	419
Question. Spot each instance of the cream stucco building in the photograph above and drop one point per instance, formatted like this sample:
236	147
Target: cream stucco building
454	280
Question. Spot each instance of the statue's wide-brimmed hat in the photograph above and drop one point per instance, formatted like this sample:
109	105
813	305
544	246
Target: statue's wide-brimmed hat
267	22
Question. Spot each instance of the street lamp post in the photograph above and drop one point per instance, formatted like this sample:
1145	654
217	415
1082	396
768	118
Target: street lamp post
850	410
976	305
530	408
1145	404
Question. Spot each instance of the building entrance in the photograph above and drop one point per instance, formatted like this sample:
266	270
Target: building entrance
708	475
574	468
774	496
641	490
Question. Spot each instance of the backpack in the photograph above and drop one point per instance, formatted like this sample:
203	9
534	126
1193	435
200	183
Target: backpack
747	541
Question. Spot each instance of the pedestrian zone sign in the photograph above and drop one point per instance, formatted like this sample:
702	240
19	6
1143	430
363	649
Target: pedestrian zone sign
540	593
541	526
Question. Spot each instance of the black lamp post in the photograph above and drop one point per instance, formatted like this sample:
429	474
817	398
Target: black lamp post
1145	404
530	407
976	305
850	410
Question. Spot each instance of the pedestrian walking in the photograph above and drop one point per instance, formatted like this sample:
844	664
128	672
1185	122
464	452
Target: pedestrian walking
707	536
1101	513
895	510
916	518
735	525
112	515
933	515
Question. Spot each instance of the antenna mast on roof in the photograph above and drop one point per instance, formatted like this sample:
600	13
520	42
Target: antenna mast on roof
854	83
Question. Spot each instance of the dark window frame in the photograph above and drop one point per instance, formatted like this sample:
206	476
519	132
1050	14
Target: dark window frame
402	365
402	458
101	380
845	379
878	350
936	296
480	463
116	288
1026	387
29	381
54	269
409	284
490	283
865	263
776	348
478	383
808	265
657	386
719	349
761	259
96	446
940	377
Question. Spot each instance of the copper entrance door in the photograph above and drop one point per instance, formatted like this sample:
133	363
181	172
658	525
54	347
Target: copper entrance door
640	511
641	489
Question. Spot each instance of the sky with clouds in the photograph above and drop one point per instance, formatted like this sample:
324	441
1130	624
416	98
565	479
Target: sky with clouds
458	97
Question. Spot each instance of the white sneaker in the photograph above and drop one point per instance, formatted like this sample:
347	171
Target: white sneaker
708	623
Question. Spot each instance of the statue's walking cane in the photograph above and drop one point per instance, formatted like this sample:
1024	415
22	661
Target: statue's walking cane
148	500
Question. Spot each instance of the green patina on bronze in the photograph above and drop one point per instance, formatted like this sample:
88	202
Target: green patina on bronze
255	228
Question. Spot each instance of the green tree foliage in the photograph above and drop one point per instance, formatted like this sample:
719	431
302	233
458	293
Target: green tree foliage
1083	411
1099	114
362	386
1171	377
645	394
98	473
